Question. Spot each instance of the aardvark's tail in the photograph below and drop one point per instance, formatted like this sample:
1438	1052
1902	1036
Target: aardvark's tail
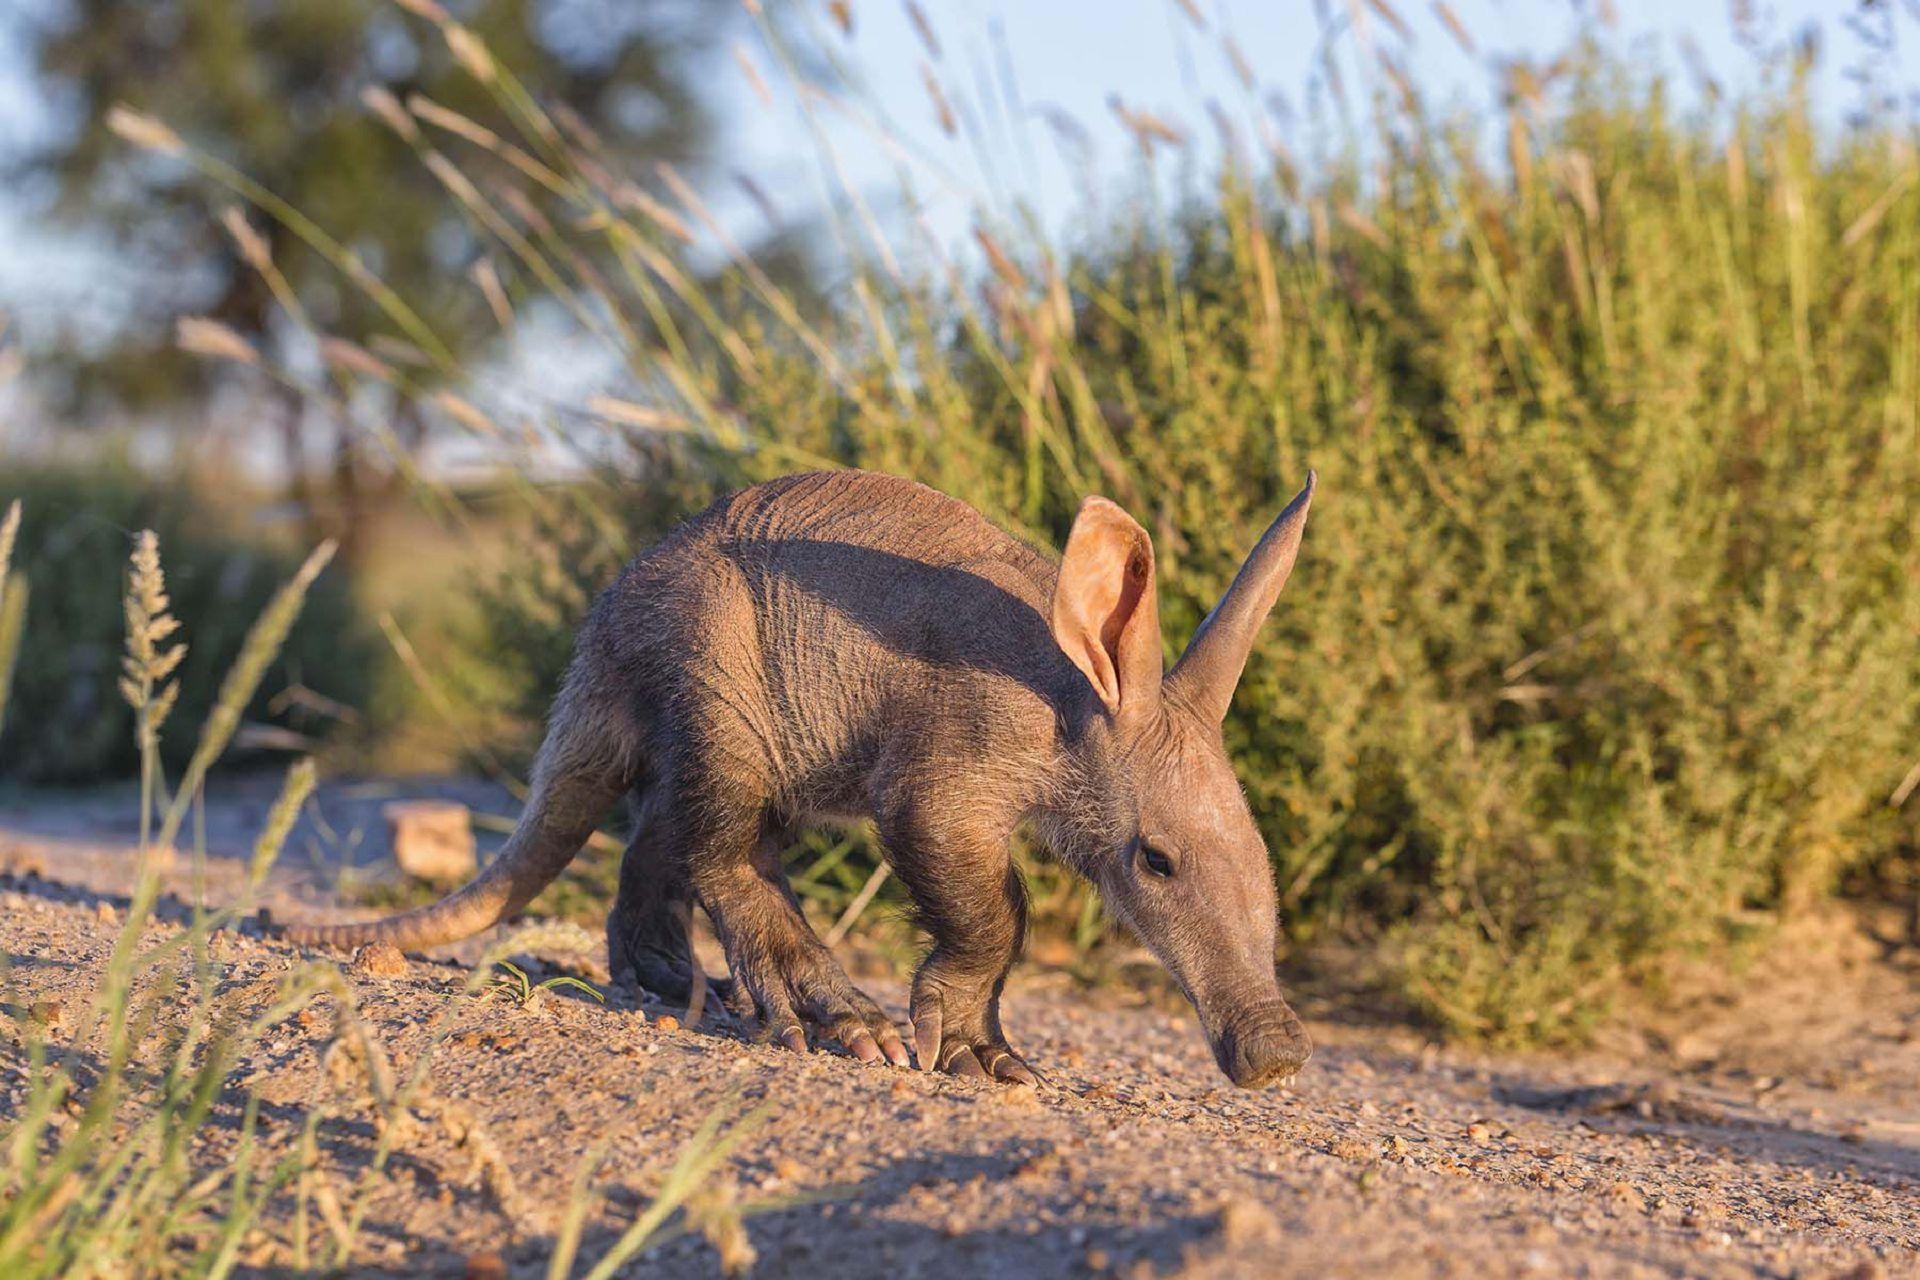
586	763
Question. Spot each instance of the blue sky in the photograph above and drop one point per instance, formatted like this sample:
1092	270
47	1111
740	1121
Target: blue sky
1075	55
1012	65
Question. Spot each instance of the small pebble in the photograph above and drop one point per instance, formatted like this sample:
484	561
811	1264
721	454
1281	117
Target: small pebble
1627	1196
1016	1097
379	960
486	1266
1243	1222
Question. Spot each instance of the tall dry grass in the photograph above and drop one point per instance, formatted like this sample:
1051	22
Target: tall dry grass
136	1148
1602	647
13	605
99	1170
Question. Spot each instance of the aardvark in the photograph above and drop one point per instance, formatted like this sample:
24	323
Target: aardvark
844	645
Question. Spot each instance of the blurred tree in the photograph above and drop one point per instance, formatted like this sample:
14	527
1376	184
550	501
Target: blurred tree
275	89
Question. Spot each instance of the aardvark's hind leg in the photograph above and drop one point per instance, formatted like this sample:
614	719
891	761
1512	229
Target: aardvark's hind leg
647	930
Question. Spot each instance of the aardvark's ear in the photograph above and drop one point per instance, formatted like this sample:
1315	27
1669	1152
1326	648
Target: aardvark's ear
1105	615
1210	668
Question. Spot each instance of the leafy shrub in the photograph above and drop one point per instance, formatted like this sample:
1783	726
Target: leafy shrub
66	721
1603	642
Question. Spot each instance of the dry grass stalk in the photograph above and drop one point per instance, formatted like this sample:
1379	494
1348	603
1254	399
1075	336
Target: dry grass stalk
13	605
487	279
381	102
1148	129
200	336
342	354
143	131
9	534
280	819
467	414
262	644
149	663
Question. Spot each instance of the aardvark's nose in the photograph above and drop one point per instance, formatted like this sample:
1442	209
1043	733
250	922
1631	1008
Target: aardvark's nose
1264	1045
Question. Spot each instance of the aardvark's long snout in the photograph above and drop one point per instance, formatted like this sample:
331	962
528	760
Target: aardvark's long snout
1261	1044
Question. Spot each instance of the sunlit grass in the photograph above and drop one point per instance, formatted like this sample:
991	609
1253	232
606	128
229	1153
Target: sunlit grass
13	605
112	1163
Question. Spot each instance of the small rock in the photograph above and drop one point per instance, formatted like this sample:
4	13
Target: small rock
1039	1168
48	1013
379	960
106	912
1243	1222
667	1022
1097	1260
24	865
1627	1196
1016	1097
486	1266
432	839
1866	1269
1479	1133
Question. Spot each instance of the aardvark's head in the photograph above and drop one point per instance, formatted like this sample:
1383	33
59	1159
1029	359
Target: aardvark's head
1163	826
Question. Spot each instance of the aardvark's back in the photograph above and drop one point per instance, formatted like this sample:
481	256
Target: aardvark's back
796	626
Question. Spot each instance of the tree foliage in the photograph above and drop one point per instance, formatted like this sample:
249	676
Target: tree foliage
277	90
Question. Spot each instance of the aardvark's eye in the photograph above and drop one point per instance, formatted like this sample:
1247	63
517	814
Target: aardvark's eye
1156	862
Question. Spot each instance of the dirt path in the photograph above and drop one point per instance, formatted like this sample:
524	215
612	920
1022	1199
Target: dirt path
1780	1144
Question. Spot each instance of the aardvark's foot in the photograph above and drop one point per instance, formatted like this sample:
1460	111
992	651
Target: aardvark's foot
962	1036
814	996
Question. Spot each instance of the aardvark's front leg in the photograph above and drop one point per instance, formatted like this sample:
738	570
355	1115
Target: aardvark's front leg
792	979
972	900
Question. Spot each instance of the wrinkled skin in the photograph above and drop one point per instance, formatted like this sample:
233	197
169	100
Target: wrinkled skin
843	645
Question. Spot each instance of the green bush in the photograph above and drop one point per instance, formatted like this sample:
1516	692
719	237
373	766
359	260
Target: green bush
1603	642
1602	646
66	721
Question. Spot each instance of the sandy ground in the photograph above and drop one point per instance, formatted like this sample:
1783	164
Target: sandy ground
1774	1133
